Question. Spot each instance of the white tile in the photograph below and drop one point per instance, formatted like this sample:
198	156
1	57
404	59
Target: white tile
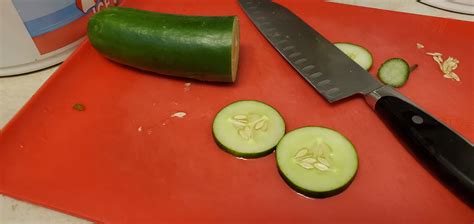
17	212
408	6
15	91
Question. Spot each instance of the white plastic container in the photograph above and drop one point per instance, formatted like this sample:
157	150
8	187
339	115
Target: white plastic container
40	33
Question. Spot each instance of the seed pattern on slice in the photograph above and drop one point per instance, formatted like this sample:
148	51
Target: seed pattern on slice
240	117
259	125
321	167
323	161
301	153
317	156
248	125
307	166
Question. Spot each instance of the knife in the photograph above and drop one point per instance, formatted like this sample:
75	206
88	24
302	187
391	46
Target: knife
335	76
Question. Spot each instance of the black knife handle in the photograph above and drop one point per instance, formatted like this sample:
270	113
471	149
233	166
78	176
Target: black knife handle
447	154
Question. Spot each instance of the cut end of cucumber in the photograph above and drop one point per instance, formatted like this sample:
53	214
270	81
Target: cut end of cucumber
394	72
316	161
248	128
357	53
235	48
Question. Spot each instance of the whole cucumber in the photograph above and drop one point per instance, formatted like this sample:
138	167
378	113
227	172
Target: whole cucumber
198	47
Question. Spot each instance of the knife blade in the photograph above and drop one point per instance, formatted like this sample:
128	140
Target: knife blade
324	66
335	76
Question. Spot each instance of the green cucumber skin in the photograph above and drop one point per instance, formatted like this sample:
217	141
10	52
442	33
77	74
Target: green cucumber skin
243	155
317	194
196	47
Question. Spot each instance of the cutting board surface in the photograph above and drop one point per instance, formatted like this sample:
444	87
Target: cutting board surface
126	160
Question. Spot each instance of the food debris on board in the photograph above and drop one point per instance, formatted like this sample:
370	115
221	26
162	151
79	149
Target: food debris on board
187	86
79	107
179	114
140	129
447	66
419	46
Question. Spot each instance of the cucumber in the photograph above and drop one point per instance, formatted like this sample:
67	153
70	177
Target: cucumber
248	128
316	161
360	55
394	72
198	47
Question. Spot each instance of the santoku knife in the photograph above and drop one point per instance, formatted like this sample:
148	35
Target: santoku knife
335	76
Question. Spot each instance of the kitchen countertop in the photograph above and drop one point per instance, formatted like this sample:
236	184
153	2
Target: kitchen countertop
15	91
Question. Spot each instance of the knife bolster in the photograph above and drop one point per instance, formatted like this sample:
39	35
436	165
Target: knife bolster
374	96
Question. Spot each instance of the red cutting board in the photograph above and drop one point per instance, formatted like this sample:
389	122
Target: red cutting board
125	160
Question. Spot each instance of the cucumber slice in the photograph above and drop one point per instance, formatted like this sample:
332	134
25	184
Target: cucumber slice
316	161
248	128
394	72
357	53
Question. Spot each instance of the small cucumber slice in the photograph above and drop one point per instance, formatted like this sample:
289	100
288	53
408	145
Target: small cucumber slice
316	161
394	72
357	53
248	128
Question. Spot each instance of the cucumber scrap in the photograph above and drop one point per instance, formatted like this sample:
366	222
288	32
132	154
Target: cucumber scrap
316	161
359	54
394	72
248	128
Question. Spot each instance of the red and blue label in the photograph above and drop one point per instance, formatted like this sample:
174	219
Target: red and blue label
53	24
